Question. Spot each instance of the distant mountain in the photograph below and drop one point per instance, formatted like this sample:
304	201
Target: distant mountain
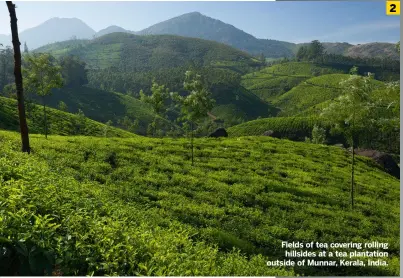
366	50
375	49
112	29
53	30
194	25
200	26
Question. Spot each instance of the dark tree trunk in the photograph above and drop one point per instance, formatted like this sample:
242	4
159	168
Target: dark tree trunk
18	78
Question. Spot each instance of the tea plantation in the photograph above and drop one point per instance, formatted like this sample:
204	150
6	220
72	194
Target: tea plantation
136	206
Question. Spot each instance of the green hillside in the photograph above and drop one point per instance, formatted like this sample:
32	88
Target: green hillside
294	128
147	53
103	106
59	122
137	206
271	82
312	92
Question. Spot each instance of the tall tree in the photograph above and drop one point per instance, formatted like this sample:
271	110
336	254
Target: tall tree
41	76
26	50
351	113
196	104
18	78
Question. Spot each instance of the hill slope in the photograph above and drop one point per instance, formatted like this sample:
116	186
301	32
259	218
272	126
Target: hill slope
131	62
312	92
59	122
196	25
271	82
143	200
105	106
130	52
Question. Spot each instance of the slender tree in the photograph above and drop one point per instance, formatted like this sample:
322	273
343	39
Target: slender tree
196	104
18	78
158	100
351	113
41	76
26	50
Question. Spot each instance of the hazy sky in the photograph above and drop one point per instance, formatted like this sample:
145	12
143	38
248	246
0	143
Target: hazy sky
354	22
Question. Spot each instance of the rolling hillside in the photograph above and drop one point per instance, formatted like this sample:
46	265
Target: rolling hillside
146	53
271	82
105	106
59	122
107	202
311	92
130	63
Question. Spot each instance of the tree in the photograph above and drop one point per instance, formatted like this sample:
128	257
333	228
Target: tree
6	66
196	104
18	78
318	135
62	106
107	127
398	47
158	101
42	75
315	50
73	71
351	112
26	50
262	59
81	120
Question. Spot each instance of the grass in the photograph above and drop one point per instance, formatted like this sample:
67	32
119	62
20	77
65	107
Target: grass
59	122
108	206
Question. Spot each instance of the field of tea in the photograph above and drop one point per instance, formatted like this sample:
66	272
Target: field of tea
135	206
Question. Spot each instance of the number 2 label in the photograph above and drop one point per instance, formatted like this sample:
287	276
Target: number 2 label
393	7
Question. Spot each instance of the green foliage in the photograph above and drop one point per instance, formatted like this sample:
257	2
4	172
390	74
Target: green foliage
198	102
41	74
59	122
312	92
73	71
361	112
293	128
6	66
62	106
271	82
107	206
318	135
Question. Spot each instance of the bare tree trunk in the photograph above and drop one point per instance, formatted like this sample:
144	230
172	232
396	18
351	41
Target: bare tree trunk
18	78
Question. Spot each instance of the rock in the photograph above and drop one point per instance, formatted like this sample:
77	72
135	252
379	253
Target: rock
220	132
383	159
268	133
